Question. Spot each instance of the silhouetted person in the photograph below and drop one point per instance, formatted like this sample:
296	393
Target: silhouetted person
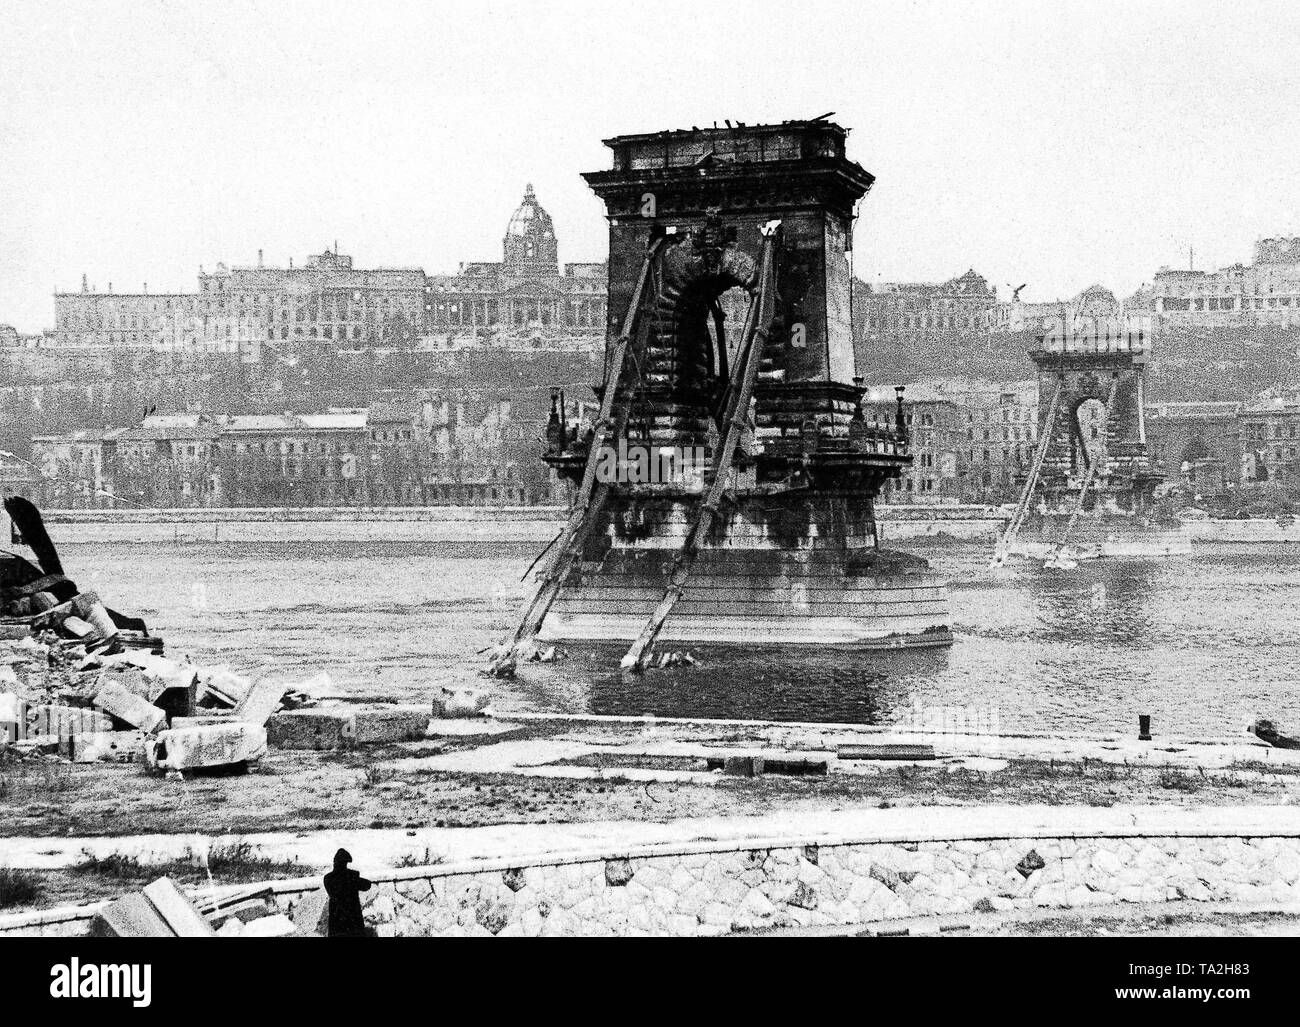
344	888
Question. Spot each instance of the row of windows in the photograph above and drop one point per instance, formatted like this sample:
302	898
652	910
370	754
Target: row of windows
1258	431
284	447
920	323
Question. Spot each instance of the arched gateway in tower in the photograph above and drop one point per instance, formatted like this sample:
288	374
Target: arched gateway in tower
726	491
1091	482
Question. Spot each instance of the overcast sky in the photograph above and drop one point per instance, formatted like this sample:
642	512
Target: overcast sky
1052	144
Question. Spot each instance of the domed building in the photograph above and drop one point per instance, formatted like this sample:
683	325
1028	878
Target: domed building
528	301
530	239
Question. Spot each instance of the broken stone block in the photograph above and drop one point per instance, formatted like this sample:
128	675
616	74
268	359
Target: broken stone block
131	916
180	723
275	926
391	724
311	913
313	729
133	709
459	702
206	748
65	721
13	717
40	745
260	702
176	910
107	746
130	679
167	684
83	616
157	668
221	687
318	686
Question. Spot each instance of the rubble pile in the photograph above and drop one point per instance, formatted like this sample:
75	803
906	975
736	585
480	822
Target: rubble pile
161	910
82	682
59	701
39	597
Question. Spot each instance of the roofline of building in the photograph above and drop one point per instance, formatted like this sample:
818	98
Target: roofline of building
767	128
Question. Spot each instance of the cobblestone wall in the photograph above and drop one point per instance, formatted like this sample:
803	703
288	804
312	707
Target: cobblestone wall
727	891
700	890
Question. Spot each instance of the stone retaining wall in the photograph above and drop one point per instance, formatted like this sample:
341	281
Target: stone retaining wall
719	888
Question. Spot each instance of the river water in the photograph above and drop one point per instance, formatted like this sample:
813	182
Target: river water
1203	643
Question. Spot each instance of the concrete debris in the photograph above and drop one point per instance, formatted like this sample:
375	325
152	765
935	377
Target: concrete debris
260	702
13	717
314	689
157	668
65	721
376	725
313	729
211	747
336	727
130	708
676	659
275	926
170	685
459	702
37	745
82	617
202	720
131	916
246	903
107	746
221	687
311	913
38	596
177	910
161	910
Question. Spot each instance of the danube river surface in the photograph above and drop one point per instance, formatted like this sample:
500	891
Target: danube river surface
1204	643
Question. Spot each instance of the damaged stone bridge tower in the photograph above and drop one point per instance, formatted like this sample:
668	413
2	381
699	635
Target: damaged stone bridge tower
730	337
1091	401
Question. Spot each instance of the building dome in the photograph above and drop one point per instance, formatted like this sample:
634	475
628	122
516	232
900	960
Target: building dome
530	239
1095	301
531	218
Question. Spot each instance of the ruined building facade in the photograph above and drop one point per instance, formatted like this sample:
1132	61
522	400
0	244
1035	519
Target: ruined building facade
1266	291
